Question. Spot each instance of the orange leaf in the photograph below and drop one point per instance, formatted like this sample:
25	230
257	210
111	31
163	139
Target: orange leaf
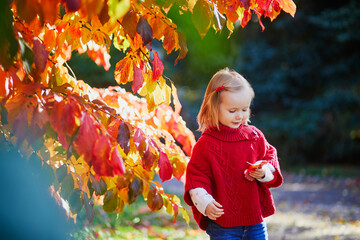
288	6
50	10
27	9
158	27
183	47
50	39
129	23
170	40
124	70
178	168
158	66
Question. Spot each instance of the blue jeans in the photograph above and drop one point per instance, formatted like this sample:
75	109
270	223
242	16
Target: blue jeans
251	232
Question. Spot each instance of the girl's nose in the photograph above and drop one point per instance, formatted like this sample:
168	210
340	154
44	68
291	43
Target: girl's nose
238	116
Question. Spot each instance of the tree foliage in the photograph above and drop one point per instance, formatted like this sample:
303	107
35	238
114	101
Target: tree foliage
308	87
104	146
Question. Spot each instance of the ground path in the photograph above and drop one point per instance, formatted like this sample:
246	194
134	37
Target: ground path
311	208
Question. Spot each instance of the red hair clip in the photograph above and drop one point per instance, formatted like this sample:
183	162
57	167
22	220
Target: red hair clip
218	89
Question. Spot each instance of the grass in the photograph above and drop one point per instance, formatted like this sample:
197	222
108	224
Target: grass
135	222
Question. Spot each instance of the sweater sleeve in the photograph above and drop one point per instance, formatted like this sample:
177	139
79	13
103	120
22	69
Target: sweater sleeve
268	152
198	171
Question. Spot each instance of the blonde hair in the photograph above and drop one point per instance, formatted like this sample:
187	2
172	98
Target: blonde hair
232	81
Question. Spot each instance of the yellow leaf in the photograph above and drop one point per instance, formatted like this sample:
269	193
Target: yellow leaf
117	9
191	4
177	103
185	215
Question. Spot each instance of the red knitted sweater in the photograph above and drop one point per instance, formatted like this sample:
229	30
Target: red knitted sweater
217	164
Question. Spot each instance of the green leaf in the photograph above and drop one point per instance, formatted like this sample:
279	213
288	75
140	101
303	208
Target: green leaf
202	17
48	173
67	185
89	208
27	55
76	201
91	189
44	153
111	201
4	114
100	187
61	172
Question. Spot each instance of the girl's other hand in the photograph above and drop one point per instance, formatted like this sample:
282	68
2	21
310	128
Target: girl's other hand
257	173
214	210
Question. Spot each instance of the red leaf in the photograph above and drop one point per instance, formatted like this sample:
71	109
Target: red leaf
138	79
165	169
89	131
145	31
158	67
139	140
176	211
117	162
253	167
101	156
40	55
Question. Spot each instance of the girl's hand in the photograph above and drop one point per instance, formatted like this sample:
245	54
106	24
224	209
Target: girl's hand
214	210
257	173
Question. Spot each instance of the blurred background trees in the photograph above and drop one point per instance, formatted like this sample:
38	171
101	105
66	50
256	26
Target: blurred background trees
305	72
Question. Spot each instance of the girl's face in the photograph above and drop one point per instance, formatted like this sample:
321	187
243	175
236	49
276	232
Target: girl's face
234	108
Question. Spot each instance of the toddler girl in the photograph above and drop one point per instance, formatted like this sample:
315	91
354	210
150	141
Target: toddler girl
232	166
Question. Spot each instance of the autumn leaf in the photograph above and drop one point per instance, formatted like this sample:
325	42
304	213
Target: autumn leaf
158	66
123	137
117	162
101	157
154	200
288	6
89	131
145	31
124	71
183	47
129	22
202	17
165	168
72	5
135	189
138	81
